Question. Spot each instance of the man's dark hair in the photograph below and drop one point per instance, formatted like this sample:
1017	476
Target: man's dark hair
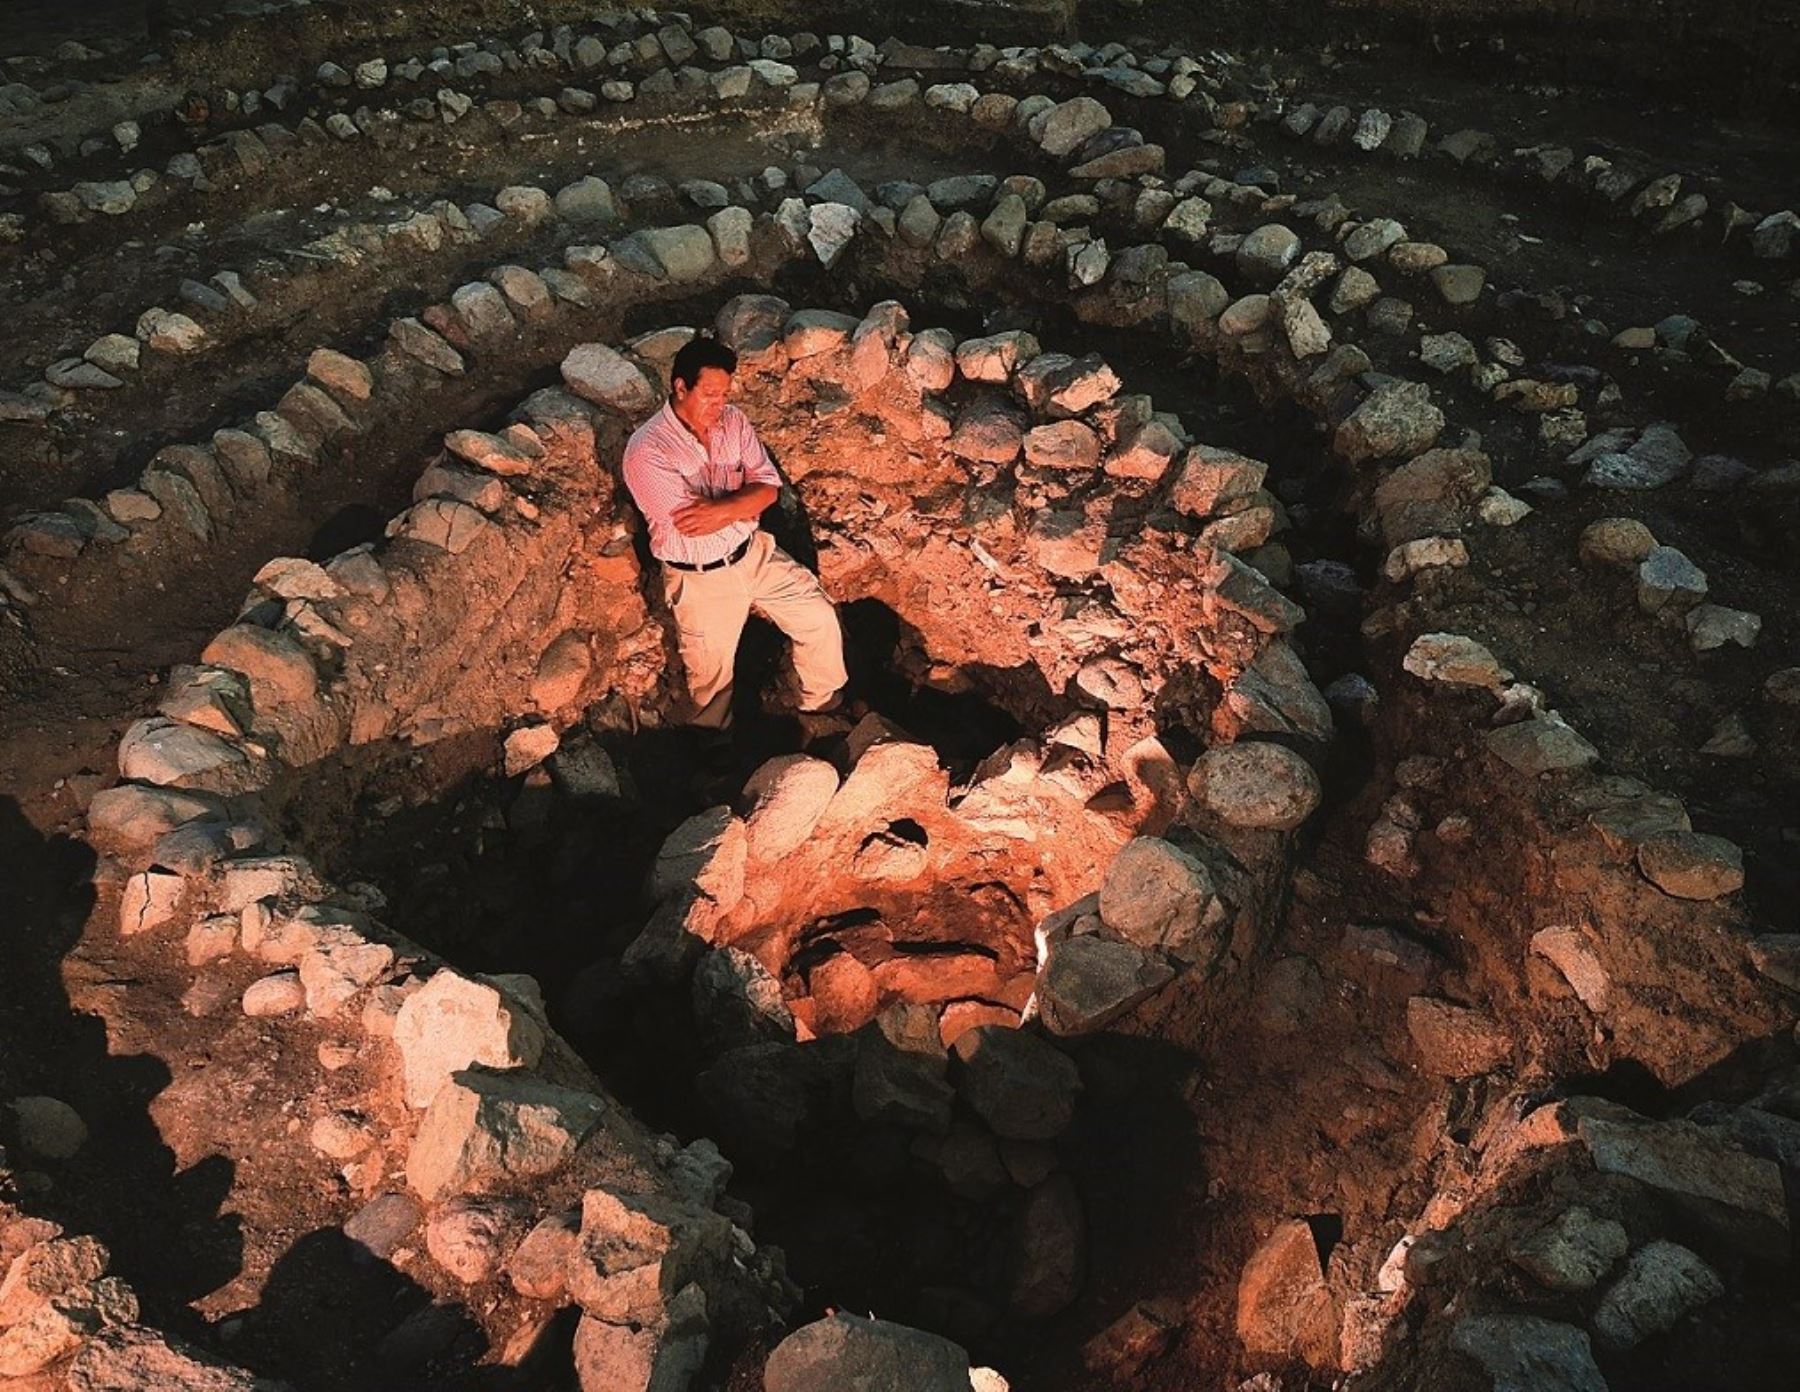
698	353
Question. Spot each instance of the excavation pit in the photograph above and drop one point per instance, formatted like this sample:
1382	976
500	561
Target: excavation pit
870	983
861	964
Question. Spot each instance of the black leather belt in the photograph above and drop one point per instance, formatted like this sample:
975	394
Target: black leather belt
719	564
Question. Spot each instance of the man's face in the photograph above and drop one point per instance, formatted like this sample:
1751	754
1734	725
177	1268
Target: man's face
700	404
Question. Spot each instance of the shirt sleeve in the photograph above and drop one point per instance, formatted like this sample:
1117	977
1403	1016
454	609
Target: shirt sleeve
657	489
758	467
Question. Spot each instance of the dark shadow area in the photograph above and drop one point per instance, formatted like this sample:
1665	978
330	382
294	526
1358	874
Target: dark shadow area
351	525
1139	1164
336	1313
163	1226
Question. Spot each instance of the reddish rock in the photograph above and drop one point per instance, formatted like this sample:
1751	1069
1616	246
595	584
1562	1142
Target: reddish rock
46	1270
278	668
1140	1334
961	1016
844	994
1454	1041
937	976
1692	865
635	1248
539	1266
561	671
469	1236
843	1352
1284	1308
132	818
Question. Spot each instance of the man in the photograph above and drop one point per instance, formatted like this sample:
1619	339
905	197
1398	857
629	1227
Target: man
702	479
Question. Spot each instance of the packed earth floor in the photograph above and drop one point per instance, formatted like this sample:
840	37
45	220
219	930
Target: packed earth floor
1301	892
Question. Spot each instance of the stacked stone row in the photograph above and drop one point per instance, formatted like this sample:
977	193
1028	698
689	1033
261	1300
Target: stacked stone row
223	309
1192	294
661	59
1018	220
196	490
1550	1244
1429	511
1654	202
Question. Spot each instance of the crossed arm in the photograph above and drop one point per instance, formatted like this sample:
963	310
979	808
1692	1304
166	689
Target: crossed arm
704	516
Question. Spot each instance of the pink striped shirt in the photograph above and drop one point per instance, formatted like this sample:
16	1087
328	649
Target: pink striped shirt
665	466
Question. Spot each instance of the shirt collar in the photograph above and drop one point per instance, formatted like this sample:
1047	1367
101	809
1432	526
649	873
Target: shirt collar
680	427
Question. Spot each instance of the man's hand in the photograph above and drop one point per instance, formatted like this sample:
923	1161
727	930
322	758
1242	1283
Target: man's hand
704	516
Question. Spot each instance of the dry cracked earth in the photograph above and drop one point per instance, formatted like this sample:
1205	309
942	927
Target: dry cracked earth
1302	894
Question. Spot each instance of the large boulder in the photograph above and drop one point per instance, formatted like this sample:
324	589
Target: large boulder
129	1358
1022	1087
1088	981
1692	865
638	1251
168	753
1156	895
790	792
1454	1041
279	670
1397	418
1265	253
704	856
607	377
1524	1353
471	1235
684	253
844	1352
1210	477
483	1130
132	818
47	1270
1432	494
757	1097
539	1266
1284	1308
900	1068
1255	784
737	1001
751	323
1573	1251
1736	1197
1068	125
1663	1283
1049	1249
662	1357
453	1021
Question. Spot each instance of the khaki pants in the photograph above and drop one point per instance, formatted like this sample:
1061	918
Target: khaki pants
710	607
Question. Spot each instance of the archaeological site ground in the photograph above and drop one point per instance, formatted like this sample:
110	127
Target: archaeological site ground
1302	890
